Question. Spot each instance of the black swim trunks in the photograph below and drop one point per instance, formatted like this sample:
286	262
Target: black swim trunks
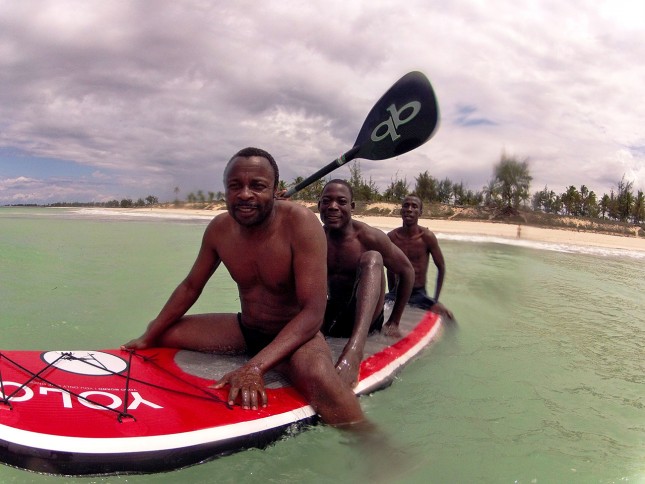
419	298
255	340
340	317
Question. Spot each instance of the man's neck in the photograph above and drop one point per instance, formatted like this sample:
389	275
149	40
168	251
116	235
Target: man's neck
412	229
344	232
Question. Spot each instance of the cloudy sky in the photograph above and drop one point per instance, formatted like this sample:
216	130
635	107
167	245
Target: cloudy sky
124	99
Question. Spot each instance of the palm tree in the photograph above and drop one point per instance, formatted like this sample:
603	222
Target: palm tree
571	201
638	211
426	187
512	180
490	193
625	199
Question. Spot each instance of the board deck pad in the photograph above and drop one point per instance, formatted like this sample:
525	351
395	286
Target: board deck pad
113	411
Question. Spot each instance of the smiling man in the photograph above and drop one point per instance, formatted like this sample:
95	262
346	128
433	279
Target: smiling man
356	254
276	253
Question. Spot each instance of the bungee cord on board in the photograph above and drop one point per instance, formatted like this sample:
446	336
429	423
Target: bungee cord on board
121	414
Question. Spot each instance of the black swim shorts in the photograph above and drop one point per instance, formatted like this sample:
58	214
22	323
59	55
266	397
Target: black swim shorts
340	317
255	340
419	298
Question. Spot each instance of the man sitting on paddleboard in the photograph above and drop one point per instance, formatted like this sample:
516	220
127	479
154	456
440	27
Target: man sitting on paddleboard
276	253
418	244
356	254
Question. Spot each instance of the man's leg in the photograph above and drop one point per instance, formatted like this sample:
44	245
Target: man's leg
311	371
216	332
370	292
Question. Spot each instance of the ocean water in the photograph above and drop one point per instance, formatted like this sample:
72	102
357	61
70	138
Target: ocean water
542	380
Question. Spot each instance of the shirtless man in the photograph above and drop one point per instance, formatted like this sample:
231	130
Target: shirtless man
418	244
356	254
275	251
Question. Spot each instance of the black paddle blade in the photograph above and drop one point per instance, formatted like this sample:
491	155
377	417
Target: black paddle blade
403	119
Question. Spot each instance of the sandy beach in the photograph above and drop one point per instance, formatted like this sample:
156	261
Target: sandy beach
439	226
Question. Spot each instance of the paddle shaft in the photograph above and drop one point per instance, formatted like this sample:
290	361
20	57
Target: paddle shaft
340	161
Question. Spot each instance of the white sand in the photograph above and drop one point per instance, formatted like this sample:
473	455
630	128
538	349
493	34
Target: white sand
536	234
490	229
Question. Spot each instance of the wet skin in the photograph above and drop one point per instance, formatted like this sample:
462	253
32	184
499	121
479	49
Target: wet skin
276	253
356	255
419	244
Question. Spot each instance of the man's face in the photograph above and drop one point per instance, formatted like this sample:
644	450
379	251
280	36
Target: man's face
410	210
335	206
249	190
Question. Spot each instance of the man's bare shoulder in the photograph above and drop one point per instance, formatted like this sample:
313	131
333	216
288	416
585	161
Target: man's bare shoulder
297	220
369	236
295	211
428	235
219	222
362	227
395	233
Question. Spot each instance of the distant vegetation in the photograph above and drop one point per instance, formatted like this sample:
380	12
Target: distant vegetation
149	201
505	195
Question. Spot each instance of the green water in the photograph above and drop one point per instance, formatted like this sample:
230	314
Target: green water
543	381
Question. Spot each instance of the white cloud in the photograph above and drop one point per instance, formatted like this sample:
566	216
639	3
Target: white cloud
164	93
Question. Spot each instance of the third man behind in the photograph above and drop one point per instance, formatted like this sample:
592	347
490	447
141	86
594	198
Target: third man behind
418	244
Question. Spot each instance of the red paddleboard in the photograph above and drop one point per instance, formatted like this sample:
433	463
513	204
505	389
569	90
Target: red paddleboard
112	411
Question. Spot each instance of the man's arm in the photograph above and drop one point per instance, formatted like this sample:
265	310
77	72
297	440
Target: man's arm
184	296
397	262
433	247
391	278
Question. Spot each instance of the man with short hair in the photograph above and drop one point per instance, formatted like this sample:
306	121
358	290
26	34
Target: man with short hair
418	244
356	255
276	253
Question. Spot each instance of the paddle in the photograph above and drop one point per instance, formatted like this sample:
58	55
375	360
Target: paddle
403	119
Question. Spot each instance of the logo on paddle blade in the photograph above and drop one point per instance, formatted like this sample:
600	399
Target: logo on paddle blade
390	126
94	363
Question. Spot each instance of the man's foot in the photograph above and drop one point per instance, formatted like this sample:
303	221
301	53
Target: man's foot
348	367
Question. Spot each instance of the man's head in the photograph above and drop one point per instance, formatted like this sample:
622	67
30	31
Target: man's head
250	181
411	209
250	151
336	204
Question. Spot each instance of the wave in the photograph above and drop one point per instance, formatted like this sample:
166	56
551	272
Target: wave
550	246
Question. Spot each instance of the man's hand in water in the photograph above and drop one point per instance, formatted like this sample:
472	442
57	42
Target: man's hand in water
248	383
442	311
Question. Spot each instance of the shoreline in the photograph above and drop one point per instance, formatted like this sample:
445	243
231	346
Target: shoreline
439	226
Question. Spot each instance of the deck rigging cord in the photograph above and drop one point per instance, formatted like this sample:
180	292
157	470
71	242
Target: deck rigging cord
121	414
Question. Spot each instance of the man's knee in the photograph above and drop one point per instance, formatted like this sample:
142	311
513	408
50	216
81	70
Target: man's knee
371	260
312	363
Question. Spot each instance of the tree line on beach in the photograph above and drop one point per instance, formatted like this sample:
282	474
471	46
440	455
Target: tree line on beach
507	192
